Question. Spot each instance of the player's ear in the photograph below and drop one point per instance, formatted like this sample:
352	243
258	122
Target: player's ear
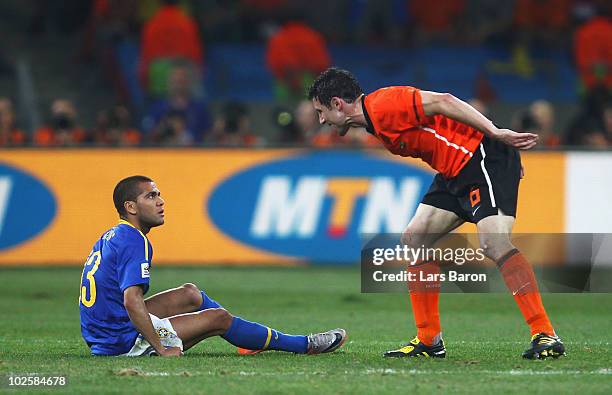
130	207
336	103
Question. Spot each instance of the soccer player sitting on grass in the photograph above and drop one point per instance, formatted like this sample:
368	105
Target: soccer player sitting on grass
117	320
479	168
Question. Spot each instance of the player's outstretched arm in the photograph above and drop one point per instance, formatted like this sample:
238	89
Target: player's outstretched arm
446	104
134	303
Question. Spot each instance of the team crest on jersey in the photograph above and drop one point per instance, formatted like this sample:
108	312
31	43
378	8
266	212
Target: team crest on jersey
144	269
163	332
109	235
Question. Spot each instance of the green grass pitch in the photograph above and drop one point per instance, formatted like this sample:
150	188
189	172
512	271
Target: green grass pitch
485	335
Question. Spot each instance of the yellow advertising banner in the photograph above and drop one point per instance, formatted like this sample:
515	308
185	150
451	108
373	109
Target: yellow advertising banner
234	206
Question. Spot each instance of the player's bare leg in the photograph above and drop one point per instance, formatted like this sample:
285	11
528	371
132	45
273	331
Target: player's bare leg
494	234
192	328
427	226
198	317
184	299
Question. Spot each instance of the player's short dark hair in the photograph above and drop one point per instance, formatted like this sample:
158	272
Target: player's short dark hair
335	82
126	190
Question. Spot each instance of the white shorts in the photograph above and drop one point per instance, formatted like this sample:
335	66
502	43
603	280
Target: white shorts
166	334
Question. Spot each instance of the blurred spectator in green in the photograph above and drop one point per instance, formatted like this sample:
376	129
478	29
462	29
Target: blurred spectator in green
295	55
113	128
10	135
169	35
62	128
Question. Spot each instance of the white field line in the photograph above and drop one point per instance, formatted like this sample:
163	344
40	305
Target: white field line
385	372
451	342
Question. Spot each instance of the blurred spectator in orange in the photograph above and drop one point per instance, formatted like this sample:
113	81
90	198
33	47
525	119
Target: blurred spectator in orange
9	134
62	130
233	128
542	16
181	98
593	52
543	114
113	127
168	36
296	54
436	19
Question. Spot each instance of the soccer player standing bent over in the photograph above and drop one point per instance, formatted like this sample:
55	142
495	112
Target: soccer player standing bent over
479	169
117	320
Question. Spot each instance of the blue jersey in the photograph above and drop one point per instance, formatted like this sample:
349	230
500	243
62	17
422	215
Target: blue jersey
120	259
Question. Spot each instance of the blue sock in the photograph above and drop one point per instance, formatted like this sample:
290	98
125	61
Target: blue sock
208	303
254	336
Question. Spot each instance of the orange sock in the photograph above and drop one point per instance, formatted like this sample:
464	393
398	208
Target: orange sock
520	280
424	296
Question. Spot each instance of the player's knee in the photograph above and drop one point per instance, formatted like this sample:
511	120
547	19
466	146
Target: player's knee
222	318
494	249
192	294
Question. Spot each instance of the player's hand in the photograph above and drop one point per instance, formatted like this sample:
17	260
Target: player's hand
522	141
171	352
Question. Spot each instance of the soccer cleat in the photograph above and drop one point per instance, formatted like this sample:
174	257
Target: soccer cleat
246	351
544	346
325	342
416	348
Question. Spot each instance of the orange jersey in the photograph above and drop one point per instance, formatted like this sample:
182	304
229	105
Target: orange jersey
395	116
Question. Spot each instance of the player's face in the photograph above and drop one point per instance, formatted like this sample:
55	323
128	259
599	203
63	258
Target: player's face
333	115
150	205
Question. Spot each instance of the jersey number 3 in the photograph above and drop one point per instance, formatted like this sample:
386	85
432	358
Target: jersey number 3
91	266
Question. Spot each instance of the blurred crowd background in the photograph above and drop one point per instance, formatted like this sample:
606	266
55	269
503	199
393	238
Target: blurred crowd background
234	72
